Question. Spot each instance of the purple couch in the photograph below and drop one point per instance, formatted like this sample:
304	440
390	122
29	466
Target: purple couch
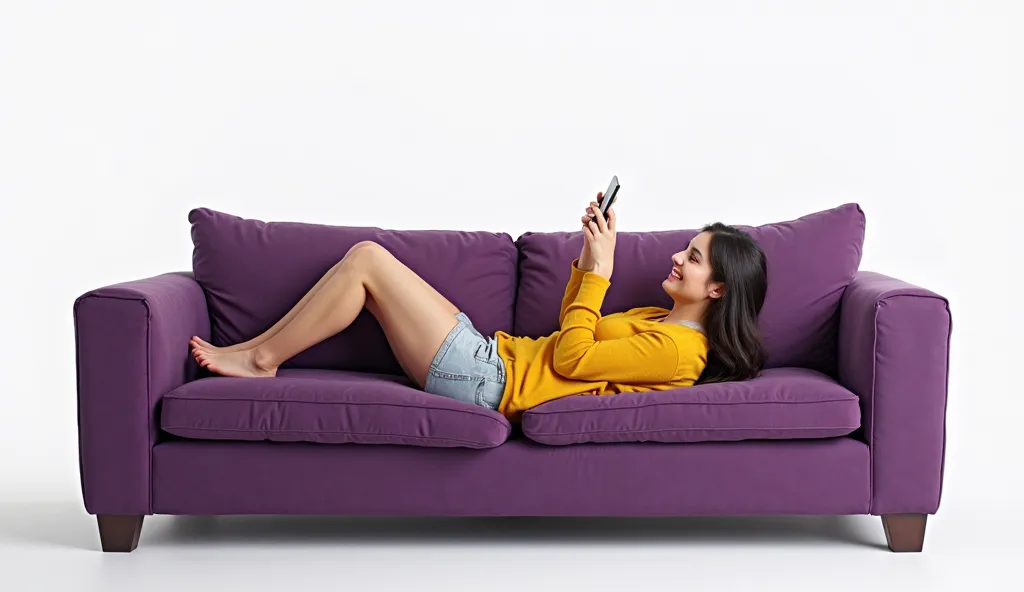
847	418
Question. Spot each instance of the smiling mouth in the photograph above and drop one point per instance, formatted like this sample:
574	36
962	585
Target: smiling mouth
674	276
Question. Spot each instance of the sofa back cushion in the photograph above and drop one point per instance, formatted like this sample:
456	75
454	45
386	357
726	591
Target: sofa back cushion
811	260
253	272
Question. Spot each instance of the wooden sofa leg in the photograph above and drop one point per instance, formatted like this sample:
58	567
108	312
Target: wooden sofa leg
119	533
904	532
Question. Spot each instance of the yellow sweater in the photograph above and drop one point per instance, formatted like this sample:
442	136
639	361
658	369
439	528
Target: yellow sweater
623	352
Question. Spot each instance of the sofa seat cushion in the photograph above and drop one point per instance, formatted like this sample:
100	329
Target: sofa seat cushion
327	406
782	403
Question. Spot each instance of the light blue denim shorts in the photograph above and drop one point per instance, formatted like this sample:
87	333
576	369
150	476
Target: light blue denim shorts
467	367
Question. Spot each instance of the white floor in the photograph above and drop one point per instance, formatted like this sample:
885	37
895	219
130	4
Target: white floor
56	542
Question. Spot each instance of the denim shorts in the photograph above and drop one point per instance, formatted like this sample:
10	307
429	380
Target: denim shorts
467	367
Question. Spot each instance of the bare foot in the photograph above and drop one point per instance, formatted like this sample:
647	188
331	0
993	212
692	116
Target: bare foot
237	363
197	349
198	343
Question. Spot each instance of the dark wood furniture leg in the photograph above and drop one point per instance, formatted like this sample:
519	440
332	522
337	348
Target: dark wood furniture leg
119	533
904	532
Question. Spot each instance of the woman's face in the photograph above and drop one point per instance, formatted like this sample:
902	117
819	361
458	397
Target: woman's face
694	268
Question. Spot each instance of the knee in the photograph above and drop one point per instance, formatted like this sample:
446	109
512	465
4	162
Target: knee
364	251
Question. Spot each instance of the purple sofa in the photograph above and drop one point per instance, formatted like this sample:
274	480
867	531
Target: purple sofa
847	418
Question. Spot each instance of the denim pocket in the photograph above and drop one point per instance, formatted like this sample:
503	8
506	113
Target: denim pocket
492	366
489	392
486	354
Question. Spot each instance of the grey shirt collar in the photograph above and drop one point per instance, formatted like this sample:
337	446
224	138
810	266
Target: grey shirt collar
693	325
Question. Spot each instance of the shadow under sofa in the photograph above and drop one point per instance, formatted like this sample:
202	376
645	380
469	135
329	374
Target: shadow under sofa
847	418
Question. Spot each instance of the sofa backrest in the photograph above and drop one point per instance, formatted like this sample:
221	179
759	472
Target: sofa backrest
253	272
811	260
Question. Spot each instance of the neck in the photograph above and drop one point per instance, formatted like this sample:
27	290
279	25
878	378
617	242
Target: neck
691	311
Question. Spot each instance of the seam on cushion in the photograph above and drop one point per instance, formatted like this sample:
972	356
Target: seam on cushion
149	403
479	413
532	411
94	295
945	406
78	397
533	433
871	394
320	432
884	297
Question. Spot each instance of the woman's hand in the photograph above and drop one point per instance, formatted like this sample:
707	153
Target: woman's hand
599	238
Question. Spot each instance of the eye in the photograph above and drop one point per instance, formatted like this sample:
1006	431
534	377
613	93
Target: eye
692	258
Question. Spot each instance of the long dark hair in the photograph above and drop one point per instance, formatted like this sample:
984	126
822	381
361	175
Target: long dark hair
736	351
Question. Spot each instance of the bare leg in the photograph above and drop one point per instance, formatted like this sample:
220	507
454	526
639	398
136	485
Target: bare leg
414	316
199	344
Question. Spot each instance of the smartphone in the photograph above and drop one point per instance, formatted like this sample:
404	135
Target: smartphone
608	197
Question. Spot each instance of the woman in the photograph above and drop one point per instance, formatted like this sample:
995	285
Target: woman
717	285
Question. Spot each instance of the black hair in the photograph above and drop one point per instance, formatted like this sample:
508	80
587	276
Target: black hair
735	348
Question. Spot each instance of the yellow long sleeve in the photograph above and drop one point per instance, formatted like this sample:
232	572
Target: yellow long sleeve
648	356
630	351
572	287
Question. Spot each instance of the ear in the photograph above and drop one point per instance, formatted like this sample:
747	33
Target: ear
716	290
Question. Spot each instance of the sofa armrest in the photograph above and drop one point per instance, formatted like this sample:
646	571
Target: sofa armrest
894	354
131	348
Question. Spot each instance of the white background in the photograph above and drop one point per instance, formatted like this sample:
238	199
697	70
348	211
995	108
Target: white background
116	118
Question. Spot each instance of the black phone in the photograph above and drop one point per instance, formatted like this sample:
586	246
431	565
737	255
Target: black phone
608	197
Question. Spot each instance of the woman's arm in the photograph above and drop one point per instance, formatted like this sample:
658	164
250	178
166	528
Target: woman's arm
651	356
571	288
583	263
